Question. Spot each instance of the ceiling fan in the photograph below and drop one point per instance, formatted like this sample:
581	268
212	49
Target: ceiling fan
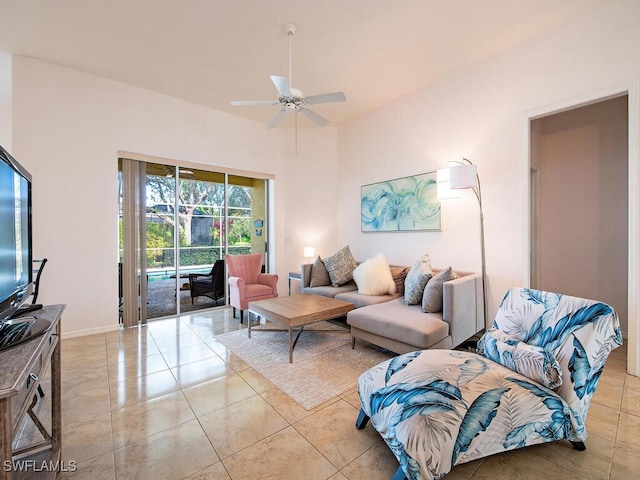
290	98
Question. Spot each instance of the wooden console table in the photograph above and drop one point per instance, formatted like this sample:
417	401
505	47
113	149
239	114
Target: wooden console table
23	367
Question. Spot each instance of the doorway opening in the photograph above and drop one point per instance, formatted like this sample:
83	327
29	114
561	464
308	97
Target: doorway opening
176	224
579	202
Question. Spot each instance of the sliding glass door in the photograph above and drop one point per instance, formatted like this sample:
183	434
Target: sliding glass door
192	219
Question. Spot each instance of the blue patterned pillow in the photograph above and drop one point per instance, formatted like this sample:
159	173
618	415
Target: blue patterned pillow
536	363
416	280
340	266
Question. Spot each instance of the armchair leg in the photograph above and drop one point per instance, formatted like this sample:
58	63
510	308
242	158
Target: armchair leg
234	312
353	343
241	316
399	475
362	420
580	446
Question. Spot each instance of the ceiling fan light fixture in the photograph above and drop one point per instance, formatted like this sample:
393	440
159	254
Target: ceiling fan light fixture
290	98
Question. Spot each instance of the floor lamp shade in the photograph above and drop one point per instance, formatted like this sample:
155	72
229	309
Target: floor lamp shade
463	176
443	183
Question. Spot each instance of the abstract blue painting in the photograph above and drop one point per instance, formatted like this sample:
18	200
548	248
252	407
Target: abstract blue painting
403	204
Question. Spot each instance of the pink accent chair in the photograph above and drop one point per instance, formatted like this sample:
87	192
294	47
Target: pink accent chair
246	283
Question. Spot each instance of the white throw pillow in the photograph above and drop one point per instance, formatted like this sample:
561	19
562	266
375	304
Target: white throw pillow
373	277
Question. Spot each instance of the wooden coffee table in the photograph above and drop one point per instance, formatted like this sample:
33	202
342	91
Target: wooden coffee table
297	311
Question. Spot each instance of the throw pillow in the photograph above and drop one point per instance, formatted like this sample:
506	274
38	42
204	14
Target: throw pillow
319	274
399	274
373	277
340	266
536	363
432	295
417	278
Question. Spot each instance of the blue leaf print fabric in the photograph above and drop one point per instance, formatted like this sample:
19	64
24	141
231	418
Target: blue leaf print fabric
439	408
537	363
580	333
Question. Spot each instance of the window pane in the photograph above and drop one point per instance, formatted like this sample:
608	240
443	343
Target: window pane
160	249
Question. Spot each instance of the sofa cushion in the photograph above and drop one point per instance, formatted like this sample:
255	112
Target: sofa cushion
329	291
532	361
340	266
253	290
417	278
319	274
373	277
399	274
432	295
397	321
359	300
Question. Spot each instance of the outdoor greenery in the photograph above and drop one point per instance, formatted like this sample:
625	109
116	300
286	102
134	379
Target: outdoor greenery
200	199
201	210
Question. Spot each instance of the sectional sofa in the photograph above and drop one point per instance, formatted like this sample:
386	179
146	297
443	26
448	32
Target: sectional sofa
386	321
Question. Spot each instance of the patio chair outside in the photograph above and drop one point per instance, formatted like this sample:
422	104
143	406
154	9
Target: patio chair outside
211	285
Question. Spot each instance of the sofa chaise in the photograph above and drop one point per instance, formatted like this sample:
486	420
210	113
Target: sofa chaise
386	321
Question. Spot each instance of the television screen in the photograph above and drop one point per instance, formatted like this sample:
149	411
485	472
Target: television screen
15	235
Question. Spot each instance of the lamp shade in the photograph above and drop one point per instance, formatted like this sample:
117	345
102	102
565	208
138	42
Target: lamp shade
308	252
443	184
464	176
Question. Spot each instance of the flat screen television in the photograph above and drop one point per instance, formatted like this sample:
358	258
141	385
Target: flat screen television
16	270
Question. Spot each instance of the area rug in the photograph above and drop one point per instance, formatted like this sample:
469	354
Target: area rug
324	365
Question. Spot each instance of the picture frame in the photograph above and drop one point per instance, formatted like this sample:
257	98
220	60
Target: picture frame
401	205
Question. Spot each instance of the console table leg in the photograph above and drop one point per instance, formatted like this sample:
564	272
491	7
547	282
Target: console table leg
6	453
56	400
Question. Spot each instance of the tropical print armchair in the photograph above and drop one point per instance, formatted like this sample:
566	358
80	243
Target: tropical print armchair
439	408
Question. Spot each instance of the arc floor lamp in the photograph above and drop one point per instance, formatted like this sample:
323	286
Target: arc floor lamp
464	175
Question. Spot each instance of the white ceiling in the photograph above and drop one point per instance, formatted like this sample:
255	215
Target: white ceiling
213	51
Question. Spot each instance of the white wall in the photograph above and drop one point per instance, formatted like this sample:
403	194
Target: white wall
67	129
480	113
310	199
5	101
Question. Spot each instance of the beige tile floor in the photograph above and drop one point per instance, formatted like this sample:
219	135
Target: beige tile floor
169	401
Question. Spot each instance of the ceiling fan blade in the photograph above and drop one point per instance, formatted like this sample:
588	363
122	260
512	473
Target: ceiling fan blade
326	98
313	116
276	120
282	85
